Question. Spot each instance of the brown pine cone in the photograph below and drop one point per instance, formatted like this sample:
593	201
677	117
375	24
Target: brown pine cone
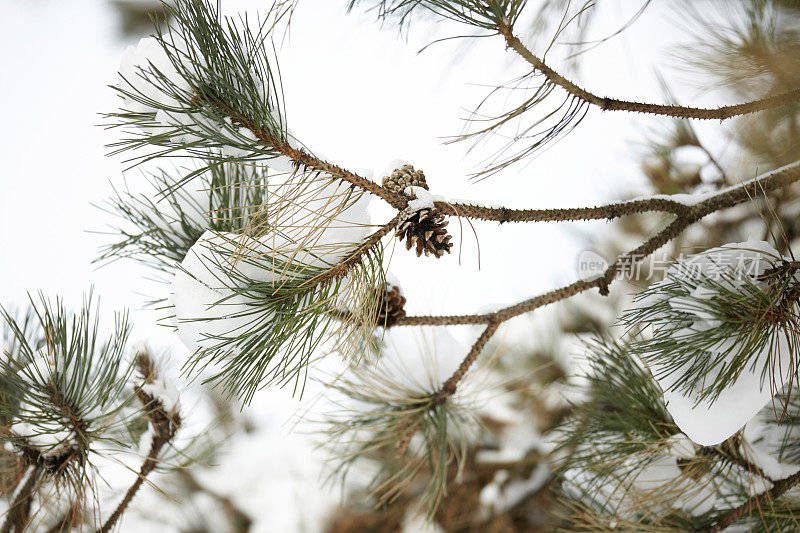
403	177
391	306
425	228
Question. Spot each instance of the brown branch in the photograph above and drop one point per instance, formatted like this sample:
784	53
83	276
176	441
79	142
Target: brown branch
689	215
613	104
609	211
722	199
307	160
353	258
448	388
725	198
239	520
165	426
18	514
301	158
778	489
401	444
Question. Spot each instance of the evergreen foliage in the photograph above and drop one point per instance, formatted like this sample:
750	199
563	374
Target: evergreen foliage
274	262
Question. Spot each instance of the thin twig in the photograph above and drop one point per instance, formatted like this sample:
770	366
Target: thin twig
778	489
303	159
613	104
165	426
342	267
448	388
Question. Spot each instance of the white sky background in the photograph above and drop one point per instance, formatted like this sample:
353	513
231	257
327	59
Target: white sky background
355	92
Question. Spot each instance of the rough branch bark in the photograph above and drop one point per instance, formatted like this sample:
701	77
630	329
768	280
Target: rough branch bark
504	214
613	104
685	214
448	388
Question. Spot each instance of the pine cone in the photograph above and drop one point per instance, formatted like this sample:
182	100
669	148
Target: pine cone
424	228
404	177
390	306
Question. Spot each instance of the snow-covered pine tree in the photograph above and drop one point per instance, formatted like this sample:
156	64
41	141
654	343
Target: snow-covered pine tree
73	403
681	416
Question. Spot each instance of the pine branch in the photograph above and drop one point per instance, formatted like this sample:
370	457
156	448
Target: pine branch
778	490
448	388
303	159
614	104
165	426
609	211
721	200
353	258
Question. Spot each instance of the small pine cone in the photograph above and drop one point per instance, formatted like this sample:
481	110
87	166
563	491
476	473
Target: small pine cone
425	228
391	306
404	177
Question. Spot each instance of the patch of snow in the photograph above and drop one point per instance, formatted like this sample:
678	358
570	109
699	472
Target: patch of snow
652	484
423	199
416	523
761	444
664	474
489	496
516	441
146	441
391	279
136	68
165	391
499	496
710	422
206	309
688	156
691	200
